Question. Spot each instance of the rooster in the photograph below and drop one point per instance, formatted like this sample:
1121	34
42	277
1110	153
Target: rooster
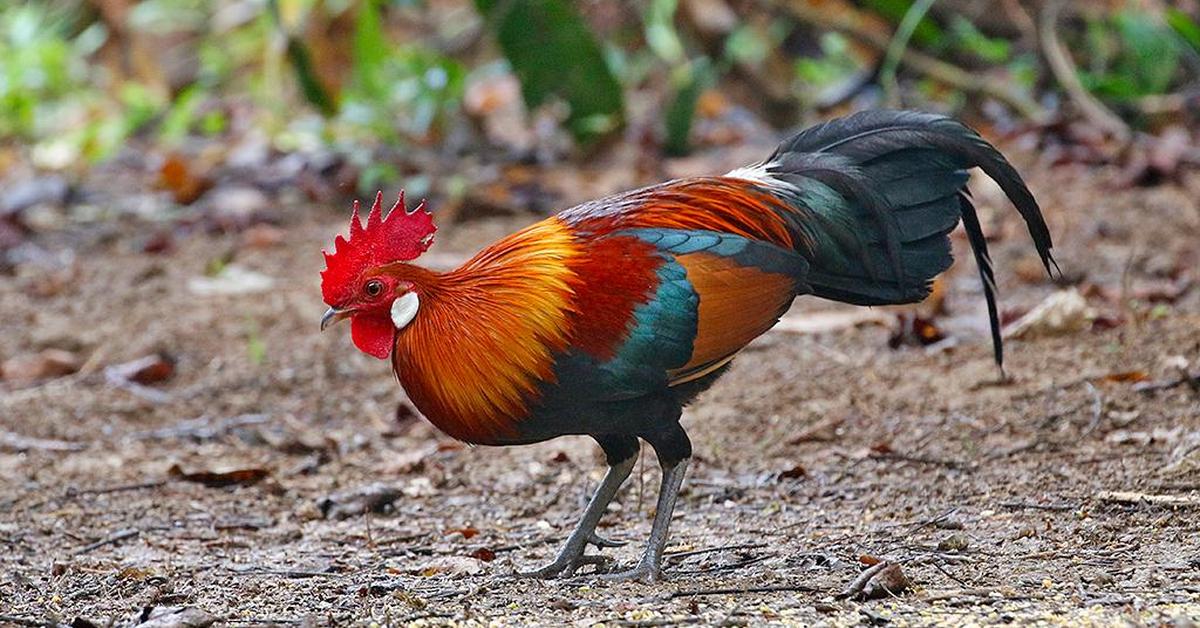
608	318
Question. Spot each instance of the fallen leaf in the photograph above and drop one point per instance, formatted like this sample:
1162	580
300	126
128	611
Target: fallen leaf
217	479
881	580
483	554
150	369
31	367
830	321
181	180
957	543
1126	376
451	566
377	498
467	533
915	331
794	473
1064	312
262	236
173	617
230	280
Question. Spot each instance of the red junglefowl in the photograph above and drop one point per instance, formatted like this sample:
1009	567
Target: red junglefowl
607	319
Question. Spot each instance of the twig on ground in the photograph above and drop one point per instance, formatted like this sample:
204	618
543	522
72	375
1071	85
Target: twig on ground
116	537
729	567
782	588
1032	506
286	573
648	623
917	525
710	550
1192	380
26	621
938	566
120	488
11	441
202	428
1134	497
950	464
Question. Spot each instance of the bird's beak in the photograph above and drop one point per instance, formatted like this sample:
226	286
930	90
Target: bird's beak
333	315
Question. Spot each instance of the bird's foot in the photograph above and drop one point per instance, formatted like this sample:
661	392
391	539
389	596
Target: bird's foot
645	573
566	566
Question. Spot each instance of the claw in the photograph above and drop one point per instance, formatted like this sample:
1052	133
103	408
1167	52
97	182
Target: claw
599	541
567	567
644	573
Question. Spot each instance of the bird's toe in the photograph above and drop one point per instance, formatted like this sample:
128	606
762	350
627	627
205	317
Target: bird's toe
599	541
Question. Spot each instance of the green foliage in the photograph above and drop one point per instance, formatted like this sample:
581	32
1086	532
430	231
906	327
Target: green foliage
690	81
969	38
927	33
39	68
1185	27
661	35
834	64
555	56
1132	55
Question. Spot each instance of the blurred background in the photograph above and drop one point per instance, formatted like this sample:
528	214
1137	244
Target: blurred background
241	104
169	416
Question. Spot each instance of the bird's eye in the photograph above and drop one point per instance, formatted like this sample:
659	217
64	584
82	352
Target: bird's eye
373	288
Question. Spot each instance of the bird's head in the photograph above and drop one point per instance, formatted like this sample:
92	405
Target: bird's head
366	278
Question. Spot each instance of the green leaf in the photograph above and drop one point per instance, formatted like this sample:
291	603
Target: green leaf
314	92
370	51
970	38
927	33
1152	56
661	35
1185	27
554	55
692	80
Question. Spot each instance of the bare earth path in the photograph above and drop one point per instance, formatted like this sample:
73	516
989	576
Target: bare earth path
996	498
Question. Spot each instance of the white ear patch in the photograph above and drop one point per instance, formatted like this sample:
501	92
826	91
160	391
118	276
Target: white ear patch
404	309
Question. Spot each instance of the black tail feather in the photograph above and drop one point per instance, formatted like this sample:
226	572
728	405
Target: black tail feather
901	177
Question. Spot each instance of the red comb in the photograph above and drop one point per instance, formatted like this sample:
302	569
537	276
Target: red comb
400	236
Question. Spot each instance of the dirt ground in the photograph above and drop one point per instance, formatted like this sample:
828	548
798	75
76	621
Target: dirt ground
999	499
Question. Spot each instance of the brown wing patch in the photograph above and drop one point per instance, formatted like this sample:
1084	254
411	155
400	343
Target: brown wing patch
737	304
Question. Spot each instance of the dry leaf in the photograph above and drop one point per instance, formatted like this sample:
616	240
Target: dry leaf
1126	376
232	279
31	367
216	479
182	181
376	498
830	321
1064	312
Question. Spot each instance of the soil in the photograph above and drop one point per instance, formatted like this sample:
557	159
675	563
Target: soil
816	454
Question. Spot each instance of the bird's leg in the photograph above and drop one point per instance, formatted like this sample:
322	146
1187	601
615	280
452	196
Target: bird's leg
674	450
622	454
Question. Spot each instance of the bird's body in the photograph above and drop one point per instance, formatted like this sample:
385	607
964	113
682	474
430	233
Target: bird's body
608	318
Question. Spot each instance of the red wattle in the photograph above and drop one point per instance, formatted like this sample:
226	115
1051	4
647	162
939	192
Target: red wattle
373	334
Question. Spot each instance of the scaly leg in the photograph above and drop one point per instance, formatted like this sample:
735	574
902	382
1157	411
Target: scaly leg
674	450
622	454
649	569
